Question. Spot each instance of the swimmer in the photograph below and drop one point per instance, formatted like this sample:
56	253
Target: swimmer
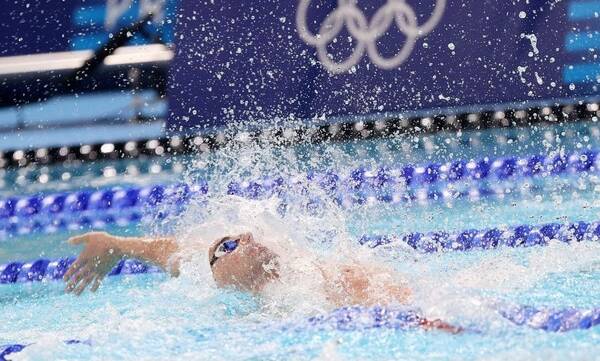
238	262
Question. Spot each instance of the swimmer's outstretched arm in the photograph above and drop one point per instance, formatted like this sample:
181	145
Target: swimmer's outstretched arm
439	325
103	251
351	285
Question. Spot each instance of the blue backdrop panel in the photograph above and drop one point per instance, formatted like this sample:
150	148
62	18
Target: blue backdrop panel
41	26
329	59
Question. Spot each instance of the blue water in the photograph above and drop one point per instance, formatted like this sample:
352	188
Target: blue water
154	317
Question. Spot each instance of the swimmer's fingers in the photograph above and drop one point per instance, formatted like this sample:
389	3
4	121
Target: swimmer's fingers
73	269
96	278
82	261
85	281
72	283
81	274
96	283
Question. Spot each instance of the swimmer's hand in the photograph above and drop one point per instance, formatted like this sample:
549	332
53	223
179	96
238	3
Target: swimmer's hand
100	254
440	325
102	251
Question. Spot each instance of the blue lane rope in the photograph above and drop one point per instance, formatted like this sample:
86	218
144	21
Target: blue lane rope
10	349
123	207
519	236
546	319
90	209
408	183
499	169
363	318
6	350
551	319
43	270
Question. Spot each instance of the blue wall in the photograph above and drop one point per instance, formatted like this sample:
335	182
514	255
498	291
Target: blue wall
248	60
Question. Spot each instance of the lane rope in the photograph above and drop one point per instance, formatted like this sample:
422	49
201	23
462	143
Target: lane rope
77	210
44	270
518	236
470	239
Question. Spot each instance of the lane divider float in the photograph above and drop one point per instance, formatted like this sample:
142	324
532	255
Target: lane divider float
75	210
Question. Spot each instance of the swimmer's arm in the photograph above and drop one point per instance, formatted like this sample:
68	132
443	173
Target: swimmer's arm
439	325
355	284
103	251
350	285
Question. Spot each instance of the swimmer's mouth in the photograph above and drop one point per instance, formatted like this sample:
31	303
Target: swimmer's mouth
225	247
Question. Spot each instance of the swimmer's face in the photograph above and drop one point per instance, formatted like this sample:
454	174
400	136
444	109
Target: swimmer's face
246	264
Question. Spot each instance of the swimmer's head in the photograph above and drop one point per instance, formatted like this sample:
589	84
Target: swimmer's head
243	263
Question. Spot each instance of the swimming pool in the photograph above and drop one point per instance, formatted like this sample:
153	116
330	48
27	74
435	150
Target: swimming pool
148	316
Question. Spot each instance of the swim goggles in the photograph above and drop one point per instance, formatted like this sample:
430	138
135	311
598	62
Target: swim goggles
226	246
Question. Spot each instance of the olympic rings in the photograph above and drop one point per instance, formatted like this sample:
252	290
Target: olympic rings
366	33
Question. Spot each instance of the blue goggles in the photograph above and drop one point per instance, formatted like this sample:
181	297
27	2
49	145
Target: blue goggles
225	247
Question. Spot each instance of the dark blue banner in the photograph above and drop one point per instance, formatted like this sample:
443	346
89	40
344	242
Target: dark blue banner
32	27
326	59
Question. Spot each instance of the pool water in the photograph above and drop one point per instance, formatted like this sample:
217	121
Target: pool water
153	317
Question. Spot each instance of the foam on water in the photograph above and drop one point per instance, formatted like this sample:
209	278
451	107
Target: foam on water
469	288
304	236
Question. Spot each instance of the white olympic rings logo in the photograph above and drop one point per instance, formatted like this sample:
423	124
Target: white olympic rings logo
366	34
